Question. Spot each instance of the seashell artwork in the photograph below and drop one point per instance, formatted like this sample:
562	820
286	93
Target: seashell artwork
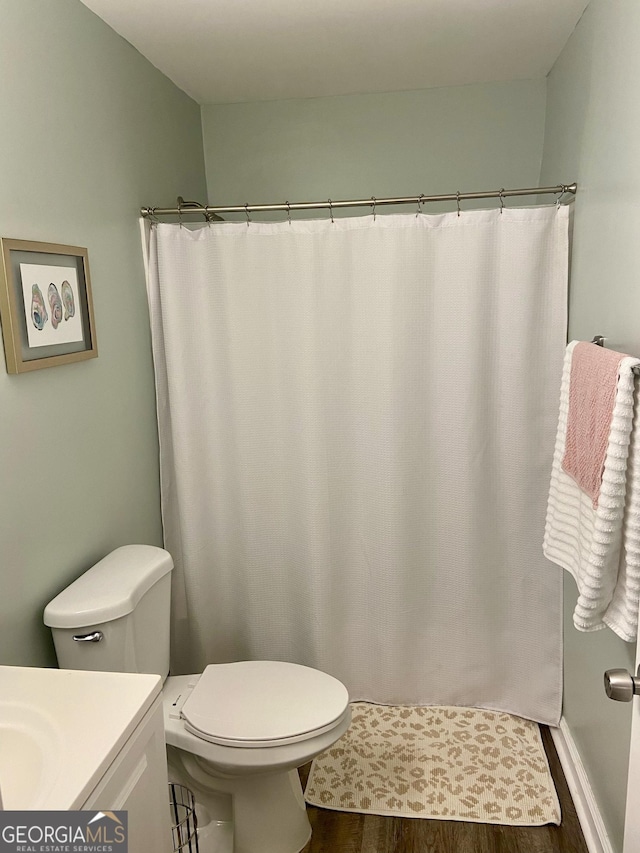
56	305
53	301
68	300
39	314
46	309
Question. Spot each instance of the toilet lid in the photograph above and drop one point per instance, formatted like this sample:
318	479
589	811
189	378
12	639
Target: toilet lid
263	703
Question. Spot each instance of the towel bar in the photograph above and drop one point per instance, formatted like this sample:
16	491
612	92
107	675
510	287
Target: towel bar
599	340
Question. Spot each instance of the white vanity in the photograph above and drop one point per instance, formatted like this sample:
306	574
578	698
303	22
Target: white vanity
86	740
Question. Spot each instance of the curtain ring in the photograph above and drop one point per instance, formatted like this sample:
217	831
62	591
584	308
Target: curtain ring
246	213
458	200
419	211
560	194
373	199
288	212
330	210
180	215
501	200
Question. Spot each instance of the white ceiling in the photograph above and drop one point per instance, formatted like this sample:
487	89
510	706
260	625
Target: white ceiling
223	51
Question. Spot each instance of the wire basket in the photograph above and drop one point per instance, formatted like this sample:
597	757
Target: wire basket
184	826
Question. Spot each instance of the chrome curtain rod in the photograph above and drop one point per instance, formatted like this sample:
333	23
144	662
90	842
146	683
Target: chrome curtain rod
212	211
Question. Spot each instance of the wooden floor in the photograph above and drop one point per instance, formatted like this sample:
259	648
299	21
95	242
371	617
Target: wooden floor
341	832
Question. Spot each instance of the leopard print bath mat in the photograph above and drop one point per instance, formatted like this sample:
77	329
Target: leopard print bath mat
437	762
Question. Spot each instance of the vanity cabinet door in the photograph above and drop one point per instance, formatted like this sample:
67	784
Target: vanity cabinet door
137	782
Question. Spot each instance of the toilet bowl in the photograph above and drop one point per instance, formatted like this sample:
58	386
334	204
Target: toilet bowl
235	733
276	717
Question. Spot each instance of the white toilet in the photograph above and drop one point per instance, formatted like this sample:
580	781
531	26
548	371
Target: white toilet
237	732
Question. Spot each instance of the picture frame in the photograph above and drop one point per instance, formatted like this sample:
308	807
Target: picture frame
46	307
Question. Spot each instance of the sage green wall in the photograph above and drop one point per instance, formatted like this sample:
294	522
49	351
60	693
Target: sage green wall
402	143
90	131
593	136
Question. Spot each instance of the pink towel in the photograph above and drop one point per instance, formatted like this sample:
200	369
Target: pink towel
592	392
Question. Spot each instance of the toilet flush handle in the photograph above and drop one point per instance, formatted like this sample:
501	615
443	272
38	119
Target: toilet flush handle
94	637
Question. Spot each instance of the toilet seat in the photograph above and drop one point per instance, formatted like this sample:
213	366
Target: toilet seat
263	703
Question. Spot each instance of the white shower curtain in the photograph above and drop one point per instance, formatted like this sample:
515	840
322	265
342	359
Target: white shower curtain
356	427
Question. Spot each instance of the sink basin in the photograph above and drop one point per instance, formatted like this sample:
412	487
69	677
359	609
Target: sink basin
61	729
30	746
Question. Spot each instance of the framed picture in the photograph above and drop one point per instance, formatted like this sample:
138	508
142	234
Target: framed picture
46	308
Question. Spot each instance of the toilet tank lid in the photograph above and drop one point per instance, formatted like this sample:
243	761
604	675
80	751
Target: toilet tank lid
110	589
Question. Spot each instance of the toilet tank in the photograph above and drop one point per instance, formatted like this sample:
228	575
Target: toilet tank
115	617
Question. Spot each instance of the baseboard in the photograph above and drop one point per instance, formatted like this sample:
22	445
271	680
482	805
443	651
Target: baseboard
593	828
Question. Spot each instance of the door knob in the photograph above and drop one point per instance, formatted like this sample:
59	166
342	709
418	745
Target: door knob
621	685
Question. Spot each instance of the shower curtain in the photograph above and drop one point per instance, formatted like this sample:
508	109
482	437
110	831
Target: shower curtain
356	426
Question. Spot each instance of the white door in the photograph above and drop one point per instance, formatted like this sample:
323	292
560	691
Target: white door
622	686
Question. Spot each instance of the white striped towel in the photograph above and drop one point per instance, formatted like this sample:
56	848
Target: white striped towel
600	547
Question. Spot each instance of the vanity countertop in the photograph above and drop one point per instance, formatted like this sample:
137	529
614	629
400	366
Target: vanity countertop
61	729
